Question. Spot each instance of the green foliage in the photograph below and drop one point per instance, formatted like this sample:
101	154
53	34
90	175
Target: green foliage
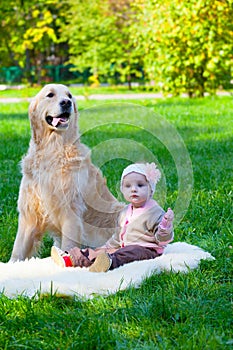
29	34
99	38
180	46
169	311
187	45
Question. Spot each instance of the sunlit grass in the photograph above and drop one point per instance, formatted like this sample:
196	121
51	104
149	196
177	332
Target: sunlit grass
28	92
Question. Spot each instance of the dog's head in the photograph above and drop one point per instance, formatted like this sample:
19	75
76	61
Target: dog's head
53	108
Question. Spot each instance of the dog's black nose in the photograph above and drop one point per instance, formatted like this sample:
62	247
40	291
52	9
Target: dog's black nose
65	103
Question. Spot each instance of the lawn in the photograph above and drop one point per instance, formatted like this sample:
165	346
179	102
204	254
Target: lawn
169	311
85	90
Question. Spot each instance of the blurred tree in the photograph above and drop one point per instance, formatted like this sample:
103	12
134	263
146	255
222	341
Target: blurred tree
8	24
183	46
187	45
125	60
99	37
29	35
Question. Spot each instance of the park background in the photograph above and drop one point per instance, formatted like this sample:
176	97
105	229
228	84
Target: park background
176	48
170	46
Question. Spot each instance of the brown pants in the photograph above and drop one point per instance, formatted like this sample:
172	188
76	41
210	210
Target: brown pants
120	257
132	253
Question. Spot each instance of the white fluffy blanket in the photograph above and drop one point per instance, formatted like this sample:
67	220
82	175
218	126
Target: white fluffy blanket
36	275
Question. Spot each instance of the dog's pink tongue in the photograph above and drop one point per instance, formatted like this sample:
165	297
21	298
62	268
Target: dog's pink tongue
55	121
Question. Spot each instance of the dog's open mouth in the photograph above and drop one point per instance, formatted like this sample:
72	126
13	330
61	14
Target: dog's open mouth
61	121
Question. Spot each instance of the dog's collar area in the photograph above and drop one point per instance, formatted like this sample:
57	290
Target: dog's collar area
60	121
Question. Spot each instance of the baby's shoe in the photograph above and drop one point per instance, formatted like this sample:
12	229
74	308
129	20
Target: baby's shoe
102	263
61	258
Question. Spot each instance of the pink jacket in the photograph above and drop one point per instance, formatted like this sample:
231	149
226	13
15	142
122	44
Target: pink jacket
141	226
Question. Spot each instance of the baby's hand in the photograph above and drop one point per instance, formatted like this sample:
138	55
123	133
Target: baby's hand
167	219
169	215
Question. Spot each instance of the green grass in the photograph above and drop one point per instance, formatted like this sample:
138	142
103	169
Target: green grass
169	311
25	92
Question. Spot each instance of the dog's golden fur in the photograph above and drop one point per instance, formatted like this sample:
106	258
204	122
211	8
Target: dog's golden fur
61	191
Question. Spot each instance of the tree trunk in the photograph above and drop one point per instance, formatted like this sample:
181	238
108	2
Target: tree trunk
129	81
28	67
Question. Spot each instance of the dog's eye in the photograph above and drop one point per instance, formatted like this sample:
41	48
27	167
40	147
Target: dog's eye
51	94
70	96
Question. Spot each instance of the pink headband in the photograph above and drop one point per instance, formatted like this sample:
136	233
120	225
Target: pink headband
149	170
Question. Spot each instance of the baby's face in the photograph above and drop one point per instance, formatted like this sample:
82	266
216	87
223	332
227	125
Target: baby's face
136	189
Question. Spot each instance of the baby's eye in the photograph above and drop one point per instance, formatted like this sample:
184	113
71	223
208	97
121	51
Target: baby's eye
141	185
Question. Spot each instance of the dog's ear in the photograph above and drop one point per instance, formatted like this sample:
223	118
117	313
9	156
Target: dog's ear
32	106
75	105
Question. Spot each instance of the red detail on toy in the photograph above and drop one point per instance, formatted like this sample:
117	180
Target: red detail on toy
68	261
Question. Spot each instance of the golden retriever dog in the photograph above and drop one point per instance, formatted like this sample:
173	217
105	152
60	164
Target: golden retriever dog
61	191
